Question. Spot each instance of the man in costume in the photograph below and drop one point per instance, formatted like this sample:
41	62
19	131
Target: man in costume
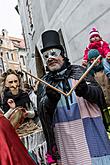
92	55
72	125
98	72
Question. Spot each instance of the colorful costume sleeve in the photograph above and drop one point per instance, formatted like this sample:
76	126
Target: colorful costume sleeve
85	57
101	46
105	48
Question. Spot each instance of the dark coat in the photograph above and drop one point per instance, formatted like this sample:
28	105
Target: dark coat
21	99
47	107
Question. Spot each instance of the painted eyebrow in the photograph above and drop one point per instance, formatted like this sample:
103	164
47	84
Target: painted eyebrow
12	81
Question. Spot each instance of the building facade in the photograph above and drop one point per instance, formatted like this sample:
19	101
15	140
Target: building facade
73	19
12	53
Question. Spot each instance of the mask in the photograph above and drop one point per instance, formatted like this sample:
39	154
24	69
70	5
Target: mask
12	82
52	53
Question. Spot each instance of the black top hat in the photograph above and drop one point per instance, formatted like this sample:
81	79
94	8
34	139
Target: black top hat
50	39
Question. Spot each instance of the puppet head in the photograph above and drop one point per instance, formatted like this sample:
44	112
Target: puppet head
11	80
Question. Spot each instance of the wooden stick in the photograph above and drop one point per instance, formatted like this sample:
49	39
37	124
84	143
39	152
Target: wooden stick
58	90
84	75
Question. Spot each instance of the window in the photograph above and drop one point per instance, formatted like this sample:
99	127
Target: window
1	71
1	54
1	42
7	55
22	60
12	57
0	62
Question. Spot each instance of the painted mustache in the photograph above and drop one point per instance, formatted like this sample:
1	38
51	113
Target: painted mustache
17	86
50	61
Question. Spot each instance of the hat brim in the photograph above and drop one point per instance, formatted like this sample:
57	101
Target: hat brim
49	47
95	35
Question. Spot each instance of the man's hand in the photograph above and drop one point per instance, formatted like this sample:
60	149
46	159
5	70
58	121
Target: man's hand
81	89
25	113
84	63
11	103
52	94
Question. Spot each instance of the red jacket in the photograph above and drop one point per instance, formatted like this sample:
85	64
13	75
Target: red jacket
101	46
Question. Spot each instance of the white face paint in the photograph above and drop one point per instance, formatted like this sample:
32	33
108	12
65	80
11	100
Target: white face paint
51	53
55	63
12	82
53	59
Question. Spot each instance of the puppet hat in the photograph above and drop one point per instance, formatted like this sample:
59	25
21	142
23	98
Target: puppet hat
93	32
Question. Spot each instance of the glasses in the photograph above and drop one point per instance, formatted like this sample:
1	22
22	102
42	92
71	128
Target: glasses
51	53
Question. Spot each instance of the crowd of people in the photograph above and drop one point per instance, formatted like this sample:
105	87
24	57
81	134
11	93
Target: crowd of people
12	150
75	126
102	47
101	71
72	125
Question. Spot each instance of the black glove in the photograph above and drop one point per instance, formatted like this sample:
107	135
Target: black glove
81	89
52	94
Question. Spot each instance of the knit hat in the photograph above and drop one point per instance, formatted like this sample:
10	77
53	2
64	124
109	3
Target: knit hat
93	53
93	32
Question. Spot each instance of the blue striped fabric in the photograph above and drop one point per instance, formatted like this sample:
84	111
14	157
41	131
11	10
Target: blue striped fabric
80	133
96	137
65	115
105	160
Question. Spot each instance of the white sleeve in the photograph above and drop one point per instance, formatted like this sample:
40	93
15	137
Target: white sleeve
31	114
30	111
8	113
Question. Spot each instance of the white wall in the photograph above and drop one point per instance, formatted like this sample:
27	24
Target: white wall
74	17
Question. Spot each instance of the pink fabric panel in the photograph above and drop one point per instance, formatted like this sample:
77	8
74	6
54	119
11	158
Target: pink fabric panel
87	109
70	137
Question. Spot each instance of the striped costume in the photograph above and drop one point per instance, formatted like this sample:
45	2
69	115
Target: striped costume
77	123
80	134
